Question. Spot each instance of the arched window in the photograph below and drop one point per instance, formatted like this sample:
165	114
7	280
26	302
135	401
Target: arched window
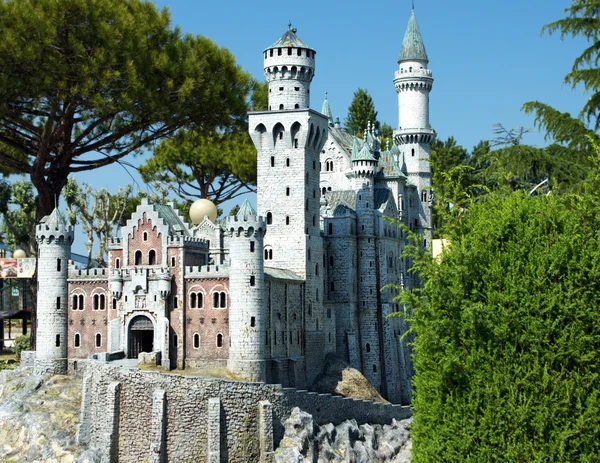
102	302
269	218
200	300
368	346
74	304
98	340
413	151
145	236
216	300
219	340
96	301
280	106
77	340
138	257
223	299
152	257
193	300
196	341
81	301
118	263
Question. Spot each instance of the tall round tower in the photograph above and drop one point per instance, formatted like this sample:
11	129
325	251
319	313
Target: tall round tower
413	82
289	69
247	318
54	237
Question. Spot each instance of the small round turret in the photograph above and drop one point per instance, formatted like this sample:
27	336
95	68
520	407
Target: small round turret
289	66
54	237
247	318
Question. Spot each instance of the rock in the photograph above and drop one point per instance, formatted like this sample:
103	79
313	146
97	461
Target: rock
305	441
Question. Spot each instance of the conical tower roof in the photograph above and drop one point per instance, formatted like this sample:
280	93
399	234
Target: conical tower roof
55	219
413	48
289	39
326	111
246	210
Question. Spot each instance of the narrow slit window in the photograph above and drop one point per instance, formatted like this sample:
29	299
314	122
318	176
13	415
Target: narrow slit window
98	340
58	265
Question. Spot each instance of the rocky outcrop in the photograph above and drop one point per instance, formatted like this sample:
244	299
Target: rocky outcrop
307	442
39	417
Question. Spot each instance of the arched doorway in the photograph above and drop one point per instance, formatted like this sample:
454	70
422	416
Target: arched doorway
141	336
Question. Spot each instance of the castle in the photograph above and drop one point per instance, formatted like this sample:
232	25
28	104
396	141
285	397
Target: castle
269	293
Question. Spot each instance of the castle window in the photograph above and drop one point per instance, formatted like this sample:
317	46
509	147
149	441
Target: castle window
331	261
253	321
152	257
269	218
306	177
196	341
219	340
296	106
98	340
323	191
314	194
58	303
279	52
173	261
138	257
287	191
287	162
272	161
297	89
96	301
193	300
271	52
368	347
145	236
114	303
118	263
317	270
299	51
77	340
309	309
216	300
306	205
74	304
281	89
281	134
423	196
252	280
374	368
308	252
268	254
252	245
330	228
223	300
58	262
314	220
416	222
175	302
81	306
317	296
58	340
102	301
287	220
295	143
413	151
289	51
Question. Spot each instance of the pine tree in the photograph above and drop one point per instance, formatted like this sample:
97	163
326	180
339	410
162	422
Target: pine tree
360	112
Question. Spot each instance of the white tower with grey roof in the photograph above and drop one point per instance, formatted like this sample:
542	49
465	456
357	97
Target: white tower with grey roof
413	82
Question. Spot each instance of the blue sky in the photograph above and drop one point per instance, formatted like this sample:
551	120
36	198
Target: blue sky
487	57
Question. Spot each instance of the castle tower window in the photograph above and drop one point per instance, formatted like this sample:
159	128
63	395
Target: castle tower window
173	261
216	300
269	218
329	337
280	135
272	161
289	51
374	368
98	340
330	227
287	191
196	341
296	106
138	257
368	346
287	220
58	340
252	245
287	162
114	303
314	220
58	303
271	53
118	263
253	321
252	280
175	302
296	141
74	304
96	301
193	301
309	309
299	51
219	340
413	151
317	270
145	236
223	300
81	306
200	300
423	196
58	265
102	301
297	89
152	257
332	288
331	261
77	340
323	191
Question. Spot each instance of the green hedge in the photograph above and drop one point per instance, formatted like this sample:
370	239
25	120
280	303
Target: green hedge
507	347
22	343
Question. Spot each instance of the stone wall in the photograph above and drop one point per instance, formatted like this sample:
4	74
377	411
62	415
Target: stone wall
162	417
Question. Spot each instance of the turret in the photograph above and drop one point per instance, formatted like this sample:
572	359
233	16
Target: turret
247	318
413	82
54	237
289	68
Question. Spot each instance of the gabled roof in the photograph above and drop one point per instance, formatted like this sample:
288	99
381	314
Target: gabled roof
174	221
289	39
344	199
387	166
413	48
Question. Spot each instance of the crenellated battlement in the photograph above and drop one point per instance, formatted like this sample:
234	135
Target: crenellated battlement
206	271
180	240
88	274
246	225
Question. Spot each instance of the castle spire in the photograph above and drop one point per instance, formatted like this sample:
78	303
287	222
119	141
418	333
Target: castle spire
326	110
413	48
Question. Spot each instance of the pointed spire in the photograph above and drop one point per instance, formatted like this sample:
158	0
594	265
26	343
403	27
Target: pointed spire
413	48
246	210
55	219
354	150
326	111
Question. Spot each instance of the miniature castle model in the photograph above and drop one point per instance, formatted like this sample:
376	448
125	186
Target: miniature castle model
266	294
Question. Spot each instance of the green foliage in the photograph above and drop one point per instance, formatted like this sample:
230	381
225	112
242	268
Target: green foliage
507	333
360	112
22	343
204	164
386	134
84	83
17	208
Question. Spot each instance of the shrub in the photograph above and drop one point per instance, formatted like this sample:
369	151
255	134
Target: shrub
22	343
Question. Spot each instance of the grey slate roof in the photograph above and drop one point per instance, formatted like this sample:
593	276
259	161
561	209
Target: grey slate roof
246	210
55	219
343	199
326	111
289	39
364	154
174	222
388	167
413	48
